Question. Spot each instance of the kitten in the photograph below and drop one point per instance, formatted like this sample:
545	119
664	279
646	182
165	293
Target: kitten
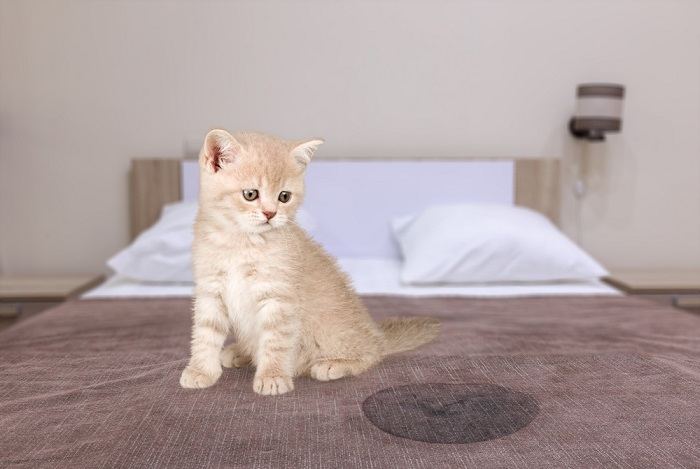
260	276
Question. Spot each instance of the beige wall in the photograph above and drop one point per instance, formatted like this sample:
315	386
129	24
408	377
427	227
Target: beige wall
87	85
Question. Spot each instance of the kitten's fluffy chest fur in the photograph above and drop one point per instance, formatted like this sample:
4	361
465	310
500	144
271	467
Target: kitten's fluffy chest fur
246	269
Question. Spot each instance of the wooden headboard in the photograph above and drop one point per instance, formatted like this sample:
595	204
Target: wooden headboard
156	182
152	184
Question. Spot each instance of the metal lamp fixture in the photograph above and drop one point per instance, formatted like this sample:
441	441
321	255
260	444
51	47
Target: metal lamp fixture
598	111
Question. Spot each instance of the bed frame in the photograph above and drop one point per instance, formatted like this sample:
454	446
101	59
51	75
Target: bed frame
155	182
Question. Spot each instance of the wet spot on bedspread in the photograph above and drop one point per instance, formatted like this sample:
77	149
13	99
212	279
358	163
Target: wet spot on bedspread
450	413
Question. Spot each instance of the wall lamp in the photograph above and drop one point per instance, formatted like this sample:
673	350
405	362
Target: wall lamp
598	111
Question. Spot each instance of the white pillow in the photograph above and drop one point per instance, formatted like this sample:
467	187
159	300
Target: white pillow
481	243
163	252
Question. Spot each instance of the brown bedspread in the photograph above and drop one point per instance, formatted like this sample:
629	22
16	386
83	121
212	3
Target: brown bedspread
546	382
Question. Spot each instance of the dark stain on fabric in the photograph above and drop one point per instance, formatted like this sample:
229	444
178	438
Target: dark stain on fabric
450	413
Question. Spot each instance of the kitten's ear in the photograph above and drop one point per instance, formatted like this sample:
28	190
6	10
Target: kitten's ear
304	151
220	149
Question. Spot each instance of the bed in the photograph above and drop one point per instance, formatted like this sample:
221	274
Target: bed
575	377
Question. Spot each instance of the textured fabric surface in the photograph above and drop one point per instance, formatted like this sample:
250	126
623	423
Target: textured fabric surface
95	384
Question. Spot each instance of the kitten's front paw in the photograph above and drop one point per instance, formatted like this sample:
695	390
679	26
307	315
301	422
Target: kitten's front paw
192	378
272	385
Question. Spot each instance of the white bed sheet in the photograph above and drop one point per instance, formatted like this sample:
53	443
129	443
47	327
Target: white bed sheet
370	277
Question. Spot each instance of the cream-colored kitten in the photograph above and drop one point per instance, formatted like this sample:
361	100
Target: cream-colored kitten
260	276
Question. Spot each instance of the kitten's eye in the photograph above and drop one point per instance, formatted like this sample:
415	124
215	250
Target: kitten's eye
250	194
284	197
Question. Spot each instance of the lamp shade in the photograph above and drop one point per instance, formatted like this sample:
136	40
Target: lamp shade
598	110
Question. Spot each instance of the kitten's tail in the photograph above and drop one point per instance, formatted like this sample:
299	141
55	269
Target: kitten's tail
401	334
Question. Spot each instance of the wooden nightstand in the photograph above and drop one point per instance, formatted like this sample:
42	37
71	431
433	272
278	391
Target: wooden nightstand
679	288
22	297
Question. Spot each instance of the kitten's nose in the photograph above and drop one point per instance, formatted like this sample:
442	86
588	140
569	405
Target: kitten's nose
269	215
